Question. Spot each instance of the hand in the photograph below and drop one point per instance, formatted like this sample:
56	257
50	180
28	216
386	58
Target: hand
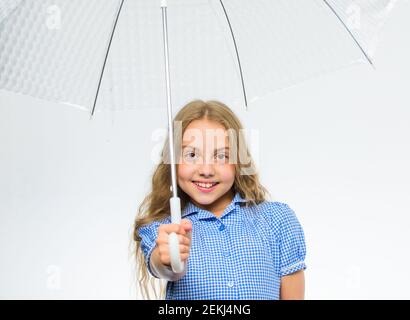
184	233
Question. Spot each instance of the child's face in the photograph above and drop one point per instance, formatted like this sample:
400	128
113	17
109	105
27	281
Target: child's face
205	159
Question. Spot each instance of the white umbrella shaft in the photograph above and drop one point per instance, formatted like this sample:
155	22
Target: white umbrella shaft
175	203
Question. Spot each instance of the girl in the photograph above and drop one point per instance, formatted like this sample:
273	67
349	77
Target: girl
236	244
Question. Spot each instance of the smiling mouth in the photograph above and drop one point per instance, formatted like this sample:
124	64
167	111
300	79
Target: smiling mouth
207	185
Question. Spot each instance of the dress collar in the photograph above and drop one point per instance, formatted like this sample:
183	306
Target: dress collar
190	208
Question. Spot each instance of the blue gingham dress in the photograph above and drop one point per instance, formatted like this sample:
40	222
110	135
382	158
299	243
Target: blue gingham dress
241	255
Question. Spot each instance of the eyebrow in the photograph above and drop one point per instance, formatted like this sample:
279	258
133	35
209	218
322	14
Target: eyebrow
223	148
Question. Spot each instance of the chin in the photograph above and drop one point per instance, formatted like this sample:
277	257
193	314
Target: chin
204	198
207	198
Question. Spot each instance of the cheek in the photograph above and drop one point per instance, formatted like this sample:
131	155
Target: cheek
227	173
184	172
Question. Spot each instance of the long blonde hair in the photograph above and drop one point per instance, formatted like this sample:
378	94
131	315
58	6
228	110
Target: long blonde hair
155	205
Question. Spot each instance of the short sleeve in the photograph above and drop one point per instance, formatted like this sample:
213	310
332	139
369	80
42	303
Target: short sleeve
291	243
148	234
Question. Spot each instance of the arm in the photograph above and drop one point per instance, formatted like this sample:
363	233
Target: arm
293	286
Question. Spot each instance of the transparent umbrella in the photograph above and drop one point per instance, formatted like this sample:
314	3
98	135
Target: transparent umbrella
119	54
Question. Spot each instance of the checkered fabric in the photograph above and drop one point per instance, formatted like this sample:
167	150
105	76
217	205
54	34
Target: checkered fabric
241	255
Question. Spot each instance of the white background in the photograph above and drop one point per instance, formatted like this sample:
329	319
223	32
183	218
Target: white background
336	149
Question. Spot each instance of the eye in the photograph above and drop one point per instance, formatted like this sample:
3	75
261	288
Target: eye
222	156
190	155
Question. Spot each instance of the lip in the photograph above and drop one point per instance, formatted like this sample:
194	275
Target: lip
205	190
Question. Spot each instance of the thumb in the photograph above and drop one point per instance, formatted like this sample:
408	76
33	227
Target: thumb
187	225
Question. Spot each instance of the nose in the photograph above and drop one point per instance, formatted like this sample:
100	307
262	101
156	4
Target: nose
206	170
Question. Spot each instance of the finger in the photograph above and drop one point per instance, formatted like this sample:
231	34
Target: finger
181	230
163	250
184	249
186	224
170	227
184	256
183	240
162	239
165	259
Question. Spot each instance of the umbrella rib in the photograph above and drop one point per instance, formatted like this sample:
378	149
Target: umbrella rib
350	32
106	55
237	53
11	12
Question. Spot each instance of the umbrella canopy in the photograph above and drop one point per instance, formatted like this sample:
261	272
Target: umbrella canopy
108	54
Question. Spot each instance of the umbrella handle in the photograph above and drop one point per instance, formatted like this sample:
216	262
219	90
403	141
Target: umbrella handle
176	262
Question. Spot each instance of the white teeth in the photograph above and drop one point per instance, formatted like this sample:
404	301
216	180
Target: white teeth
205	185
